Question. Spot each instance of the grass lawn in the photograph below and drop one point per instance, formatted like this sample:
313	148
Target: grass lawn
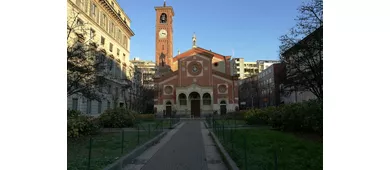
156	124
231	122
106	148
293	153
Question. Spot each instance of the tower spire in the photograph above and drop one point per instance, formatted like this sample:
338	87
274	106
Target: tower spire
194	41
164	3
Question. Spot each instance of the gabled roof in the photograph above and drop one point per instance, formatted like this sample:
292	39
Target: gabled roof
200	51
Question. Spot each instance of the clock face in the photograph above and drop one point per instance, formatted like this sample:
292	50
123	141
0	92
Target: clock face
163	33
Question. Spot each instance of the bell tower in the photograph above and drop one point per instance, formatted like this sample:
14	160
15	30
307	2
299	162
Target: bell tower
164	35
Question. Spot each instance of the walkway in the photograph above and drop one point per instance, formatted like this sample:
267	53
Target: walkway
188	148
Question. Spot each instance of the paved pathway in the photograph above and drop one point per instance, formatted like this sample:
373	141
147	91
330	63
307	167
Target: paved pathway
187	148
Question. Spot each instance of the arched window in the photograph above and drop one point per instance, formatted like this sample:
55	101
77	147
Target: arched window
206	99
223	102
163	18
182	99
168	103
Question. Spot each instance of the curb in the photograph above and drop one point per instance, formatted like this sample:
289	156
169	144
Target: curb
225	156
174	126
127	159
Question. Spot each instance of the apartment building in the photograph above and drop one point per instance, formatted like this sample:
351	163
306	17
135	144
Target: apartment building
246	69
147	70
106	24
269	81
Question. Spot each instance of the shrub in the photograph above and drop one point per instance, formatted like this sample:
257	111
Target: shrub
145	117
81	125
256	117
305	117
117	118
238	114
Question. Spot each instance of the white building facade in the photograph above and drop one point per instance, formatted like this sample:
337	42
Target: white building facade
108	26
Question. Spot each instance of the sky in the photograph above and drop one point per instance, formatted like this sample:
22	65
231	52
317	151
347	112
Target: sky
247	29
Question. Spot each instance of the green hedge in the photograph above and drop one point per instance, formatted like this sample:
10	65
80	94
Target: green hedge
81	125
304	117
117	118
145	117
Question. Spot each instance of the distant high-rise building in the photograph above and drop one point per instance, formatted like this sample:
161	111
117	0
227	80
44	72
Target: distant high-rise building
147	70
245	69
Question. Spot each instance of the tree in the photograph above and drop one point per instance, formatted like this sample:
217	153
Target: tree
85	62
301	51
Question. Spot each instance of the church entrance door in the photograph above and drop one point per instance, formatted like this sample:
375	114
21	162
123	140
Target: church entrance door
222	107
168	109
195	108
195	104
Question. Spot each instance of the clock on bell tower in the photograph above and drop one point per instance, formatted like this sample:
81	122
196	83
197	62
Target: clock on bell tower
164	35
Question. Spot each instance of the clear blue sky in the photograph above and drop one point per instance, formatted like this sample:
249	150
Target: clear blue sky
250	27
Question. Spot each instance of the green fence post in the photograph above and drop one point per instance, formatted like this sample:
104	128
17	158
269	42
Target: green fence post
223	131
245	147
276	160
123	138
89	154
138	135
231	138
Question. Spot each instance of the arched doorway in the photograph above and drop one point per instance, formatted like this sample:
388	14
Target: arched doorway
222	107
168	108
195	104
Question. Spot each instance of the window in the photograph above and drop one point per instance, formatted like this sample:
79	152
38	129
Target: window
119	36
89	106
93	9
109	89
79	22
78	3
100	107
111	47
108	104
92	33
117	51
162	47
116	91
112	3
75	103
124	57
182	99
206	99
103	19
110	64
119	13
111	30
125	41
102	40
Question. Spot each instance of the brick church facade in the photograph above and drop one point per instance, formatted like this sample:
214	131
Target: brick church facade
194	83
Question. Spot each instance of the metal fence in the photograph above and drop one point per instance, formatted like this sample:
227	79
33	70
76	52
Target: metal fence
98	151
236	144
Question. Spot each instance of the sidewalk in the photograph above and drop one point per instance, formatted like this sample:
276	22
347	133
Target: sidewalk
188	148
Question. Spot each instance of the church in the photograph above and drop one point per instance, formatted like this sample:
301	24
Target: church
197	82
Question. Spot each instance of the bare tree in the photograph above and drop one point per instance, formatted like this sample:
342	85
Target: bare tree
85	62
301	51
